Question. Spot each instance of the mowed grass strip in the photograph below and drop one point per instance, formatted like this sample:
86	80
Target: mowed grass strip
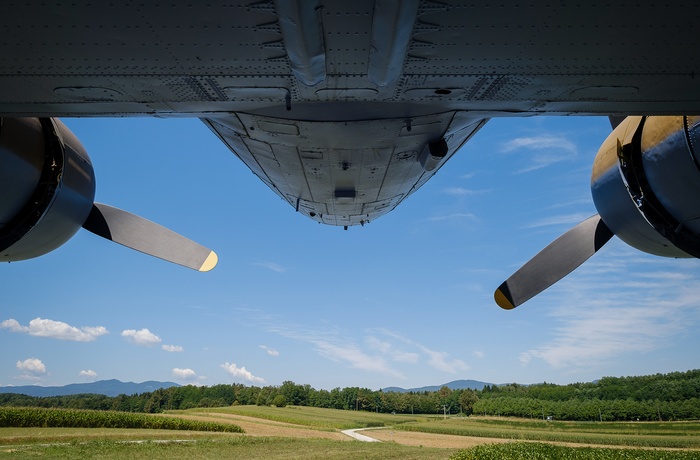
319	418
675	435
24	436
657	428
249	448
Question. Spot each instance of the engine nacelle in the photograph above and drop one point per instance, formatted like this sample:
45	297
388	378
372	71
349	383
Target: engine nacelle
47	186
646	184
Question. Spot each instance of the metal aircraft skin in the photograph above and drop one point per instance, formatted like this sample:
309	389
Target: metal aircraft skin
344	109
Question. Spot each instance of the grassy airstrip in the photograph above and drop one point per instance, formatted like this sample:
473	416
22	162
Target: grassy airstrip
313	433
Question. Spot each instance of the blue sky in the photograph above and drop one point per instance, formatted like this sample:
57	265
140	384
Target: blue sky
404	301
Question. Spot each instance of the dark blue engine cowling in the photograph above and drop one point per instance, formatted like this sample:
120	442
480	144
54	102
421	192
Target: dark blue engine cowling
646	184
47	186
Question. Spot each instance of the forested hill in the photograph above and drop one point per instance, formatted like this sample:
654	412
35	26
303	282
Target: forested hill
453	385
674	396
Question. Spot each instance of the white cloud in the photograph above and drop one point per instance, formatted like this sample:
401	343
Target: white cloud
88	373
41	327
241	373
13	325
32	365
355	357
184	374
271	266
391	351
548	150
270	351
539	143
478	354
607	311
381	355
142	337
598	334
457	215
439	360
436	359
172	348
335	348
460	191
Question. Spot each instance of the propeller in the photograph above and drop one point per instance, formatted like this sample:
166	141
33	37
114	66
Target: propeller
554	262
148	237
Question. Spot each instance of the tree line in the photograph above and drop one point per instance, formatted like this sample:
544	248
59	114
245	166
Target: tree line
674	396
188	397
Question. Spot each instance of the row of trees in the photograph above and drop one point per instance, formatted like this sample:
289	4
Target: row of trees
187	397
590	409
673	396
351	398
675	386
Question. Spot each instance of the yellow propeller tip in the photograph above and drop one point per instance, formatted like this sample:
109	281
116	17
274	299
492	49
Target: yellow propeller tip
210	262
502	300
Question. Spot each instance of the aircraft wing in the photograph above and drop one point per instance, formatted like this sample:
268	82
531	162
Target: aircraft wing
419	57
345	108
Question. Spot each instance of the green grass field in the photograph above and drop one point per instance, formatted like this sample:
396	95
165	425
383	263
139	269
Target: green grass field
111	445
323	419
634	434
599	441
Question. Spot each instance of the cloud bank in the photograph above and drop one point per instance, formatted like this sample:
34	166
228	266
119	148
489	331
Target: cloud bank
41	327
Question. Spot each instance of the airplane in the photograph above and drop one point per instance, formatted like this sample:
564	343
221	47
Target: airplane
345	109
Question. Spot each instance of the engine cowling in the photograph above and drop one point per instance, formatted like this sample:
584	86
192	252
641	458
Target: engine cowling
646	184
47	186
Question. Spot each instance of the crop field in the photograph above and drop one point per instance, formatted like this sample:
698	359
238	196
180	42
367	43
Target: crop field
313	433
663	435
74	418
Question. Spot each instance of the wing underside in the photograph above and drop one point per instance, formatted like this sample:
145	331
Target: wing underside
335	104
182	58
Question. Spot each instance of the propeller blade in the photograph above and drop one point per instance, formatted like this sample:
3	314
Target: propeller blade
554	262
148	237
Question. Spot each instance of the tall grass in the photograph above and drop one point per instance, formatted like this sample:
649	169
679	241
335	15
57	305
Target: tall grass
538	451
28	417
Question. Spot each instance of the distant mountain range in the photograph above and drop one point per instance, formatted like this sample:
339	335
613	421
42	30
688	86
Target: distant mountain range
101	387
453	385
